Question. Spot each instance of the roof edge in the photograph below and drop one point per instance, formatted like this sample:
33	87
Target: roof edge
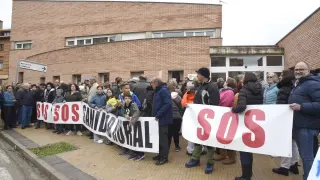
307	18
203	2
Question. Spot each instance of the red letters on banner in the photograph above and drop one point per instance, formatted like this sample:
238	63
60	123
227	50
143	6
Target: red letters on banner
204	132
232	119
38	111
44	111
64	116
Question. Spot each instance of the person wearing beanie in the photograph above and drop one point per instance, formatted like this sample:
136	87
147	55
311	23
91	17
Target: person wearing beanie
207	94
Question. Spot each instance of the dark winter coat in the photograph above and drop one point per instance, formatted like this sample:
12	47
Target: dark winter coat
307	94
162	105
49	95
1	100
26	98
285	87
39	95
140	89
74	97
250	94
148	103
116	90
176	105
207	93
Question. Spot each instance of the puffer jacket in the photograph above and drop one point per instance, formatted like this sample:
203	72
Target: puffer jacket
176	105
250	94
226	97
188	98
132	111
270	94
98	101
8	99
162	105
307	94
285	87
207	93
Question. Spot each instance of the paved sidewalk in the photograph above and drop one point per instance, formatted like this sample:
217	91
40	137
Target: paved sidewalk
103	162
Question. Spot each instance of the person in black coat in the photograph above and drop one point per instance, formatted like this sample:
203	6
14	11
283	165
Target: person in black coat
49	95
39	96
140	88
26	99
73	95
250	94
147	103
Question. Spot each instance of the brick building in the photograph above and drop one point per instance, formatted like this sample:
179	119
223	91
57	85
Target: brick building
303	42
110	39
4	53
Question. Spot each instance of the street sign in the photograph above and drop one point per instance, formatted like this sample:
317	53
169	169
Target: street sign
33	66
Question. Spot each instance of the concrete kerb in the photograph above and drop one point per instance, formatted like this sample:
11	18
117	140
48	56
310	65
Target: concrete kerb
44	167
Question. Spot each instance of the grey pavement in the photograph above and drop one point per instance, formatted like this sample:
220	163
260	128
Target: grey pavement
14	167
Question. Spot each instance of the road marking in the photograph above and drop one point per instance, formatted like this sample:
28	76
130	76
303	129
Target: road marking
4	174
4	157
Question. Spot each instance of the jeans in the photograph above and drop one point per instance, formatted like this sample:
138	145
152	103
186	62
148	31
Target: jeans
198	150
246	158
163	141
26	115
286	162
305	141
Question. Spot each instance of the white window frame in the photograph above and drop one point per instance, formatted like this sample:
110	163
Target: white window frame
22	43
186	31
75	40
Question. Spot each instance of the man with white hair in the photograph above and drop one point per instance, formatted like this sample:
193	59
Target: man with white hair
162	110
26	99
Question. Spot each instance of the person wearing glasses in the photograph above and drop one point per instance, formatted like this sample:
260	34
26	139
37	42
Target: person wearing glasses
304	100
271	91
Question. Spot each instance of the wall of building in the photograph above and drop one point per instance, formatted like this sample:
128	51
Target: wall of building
4	56
155	57
303	43
58	20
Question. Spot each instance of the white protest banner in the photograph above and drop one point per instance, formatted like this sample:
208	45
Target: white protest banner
314	173
143	136
262	129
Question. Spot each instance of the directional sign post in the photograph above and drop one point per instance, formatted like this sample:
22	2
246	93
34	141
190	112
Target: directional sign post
34	66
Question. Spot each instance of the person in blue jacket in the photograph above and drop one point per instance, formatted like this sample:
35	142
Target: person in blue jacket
271	91
162	111
126	88
9	108
305	102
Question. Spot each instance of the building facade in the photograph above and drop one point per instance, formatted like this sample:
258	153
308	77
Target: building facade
230	61
4	54
303	42
107	39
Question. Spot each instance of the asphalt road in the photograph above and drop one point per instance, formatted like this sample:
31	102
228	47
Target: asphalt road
14	167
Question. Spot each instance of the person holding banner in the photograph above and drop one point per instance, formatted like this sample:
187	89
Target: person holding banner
59	99
49	95
250	94
74	95
208	94
98	102
131	113
304	100
287	164
162	111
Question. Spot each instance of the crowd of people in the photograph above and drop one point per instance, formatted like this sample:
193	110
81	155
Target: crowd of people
167	102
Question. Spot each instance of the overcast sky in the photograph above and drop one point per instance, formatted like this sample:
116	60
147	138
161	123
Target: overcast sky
245	22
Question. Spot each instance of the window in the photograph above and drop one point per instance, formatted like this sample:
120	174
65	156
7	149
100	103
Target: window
23	45
70	43
173	34
274	60
42	80
135	75
100	40
1	64
210	34
56	78
112	39
1	47
215	76
104	77
20	77
246	61
76	78
218	61
80	42
157	35
199	34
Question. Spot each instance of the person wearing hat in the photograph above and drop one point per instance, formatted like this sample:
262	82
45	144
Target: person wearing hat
208	94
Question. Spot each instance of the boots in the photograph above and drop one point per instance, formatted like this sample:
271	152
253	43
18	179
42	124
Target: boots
221	156
246	172
231	158
294	168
